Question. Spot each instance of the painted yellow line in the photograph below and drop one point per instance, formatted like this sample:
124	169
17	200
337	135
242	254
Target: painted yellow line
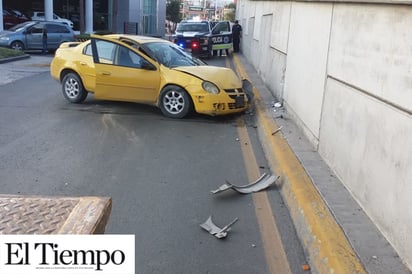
327	246
276	258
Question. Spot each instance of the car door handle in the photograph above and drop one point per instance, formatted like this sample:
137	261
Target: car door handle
106	73
83	63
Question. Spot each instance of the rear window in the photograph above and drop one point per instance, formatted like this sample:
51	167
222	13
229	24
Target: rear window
198	27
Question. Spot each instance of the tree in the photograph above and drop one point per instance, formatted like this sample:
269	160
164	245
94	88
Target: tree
173	11
230	13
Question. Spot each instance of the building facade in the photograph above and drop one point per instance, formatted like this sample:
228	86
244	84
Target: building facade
143	17
343	70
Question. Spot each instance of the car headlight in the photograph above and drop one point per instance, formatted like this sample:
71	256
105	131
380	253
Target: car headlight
5	38
210	87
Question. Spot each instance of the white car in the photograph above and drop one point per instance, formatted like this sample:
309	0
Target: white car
40	16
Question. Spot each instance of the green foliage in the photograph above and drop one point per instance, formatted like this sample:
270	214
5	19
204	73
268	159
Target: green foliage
173	11
231	6
230	16
82	37
6	53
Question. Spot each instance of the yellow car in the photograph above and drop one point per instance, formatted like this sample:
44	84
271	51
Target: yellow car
146	70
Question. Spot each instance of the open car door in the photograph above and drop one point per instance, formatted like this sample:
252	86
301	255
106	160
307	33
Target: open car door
221	36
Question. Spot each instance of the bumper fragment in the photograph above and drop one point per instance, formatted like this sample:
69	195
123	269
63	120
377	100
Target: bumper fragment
261	183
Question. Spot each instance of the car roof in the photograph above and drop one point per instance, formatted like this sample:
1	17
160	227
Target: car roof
194	21
138	38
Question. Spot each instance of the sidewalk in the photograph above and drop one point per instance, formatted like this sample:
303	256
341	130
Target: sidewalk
23	67
336	233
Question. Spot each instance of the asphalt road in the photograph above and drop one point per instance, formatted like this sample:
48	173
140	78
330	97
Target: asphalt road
158	171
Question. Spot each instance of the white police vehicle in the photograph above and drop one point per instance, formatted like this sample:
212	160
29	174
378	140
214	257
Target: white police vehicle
203	38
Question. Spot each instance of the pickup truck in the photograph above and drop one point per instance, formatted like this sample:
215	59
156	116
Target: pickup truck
203	38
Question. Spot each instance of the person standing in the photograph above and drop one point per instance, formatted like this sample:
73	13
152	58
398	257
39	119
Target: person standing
236	34
44	39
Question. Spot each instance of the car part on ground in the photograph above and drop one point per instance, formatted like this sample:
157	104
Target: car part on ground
216	231
261	183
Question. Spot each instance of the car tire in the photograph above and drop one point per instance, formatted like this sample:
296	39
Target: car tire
73	89
17	45
175	102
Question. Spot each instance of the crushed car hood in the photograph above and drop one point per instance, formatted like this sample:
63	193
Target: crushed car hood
223	77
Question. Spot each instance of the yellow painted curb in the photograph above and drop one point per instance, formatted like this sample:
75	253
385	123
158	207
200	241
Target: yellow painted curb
323	239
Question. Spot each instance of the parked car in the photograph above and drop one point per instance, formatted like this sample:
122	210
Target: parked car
28	35
18	14
10	19
40	16
146	70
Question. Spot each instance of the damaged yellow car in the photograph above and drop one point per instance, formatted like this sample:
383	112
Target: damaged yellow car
146	70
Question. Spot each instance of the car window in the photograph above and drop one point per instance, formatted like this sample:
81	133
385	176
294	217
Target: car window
221	26
87	50
128	58
106	51
38	28
53	28
40	14
199	27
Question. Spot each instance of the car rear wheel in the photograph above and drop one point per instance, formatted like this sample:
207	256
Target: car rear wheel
17	45
175	102
73	89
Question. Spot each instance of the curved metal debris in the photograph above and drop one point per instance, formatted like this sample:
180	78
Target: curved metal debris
215	230
261	183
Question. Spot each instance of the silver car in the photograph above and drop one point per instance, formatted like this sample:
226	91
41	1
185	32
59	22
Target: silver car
40	16
28	35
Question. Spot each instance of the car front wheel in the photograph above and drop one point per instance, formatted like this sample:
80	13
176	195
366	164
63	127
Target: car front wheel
175	102
73	89
17	45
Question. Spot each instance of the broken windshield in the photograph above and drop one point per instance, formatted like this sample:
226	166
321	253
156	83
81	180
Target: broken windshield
170	55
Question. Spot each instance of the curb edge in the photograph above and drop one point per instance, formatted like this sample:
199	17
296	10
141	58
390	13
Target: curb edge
322	238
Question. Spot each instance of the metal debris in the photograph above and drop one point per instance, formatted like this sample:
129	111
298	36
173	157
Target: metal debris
276	131
248	89
215	230
263	182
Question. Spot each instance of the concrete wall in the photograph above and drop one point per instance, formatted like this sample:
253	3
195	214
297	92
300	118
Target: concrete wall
344	73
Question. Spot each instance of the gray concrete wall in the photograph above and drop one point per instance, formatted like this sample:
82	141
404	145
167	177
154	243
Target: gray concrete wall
344	73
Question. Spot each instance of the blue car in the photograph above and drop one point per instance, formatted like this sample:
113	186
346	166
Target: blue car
28	35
